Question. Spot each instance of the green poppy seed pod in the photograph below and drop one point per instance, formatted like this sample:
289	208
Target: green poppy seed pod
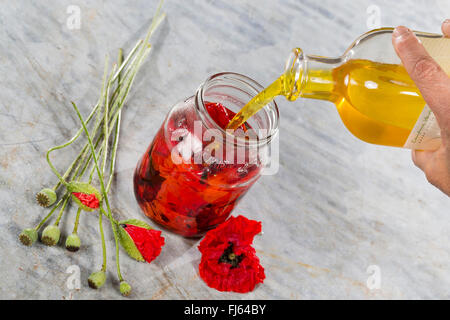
46	197
125	288
73	242
97	279
50	235
28	236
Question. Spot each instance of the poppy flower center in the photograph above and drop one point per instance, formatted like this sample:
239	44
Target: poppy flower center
228	256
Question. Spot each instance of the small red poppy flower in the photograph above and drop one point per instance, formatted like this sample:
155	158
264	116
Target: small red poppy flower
229	262
89	200
145	244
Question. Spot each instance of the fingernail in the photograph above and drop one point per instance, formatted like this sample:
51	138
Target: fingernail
400	32
446	21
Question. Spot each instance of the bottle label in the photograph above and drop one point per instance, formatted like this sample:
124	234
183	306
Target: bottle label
438	49
426	134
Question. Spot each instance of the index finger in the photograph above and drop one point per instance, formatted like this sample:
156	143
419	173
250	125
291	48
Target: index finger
432	81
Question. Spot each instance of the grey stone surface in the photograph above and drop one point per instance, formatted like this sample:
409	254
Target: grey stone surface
336	206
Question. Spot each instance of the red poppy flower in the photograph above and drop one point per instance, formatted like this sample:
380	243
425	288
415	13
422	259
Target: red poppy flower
229	262
148	241
89	200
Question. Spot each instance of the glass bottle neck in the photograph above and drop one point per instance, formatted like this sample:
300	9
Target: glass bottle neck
310	76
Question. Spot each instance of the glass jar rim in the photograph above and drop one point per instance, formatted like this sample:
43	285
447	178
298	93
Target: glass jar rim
255	88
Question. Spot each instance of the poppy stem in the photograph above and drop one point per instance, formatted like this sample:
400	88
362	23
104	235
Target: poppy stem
84	151
103	189
58	204
123	91
120	62
102	235
61	211
77	221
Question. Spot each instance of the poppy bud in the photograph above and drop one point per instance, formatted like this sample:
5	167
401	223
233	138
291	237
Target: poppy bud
125	288
50	235
85	195
139	240
28	236
73	242
46	197
97	279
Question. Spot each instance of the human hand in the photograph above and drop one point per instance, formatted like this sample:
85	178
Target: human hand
434	85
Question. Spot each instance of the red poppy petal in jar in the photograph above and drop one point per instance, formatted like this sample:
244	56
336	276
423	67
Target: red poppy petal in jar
219	113
180	197
89	200
240	229
148	241
160	146
153	183
222	115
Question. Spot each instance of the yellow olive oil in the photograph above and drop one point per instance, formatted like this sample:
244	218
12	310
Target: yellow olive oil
378	102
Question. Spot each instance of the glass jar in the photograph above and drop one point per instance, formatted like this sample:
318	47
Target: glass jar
195	172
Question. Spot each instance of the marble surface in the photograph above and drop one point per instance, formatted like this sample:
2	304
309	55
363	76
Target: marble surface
336	207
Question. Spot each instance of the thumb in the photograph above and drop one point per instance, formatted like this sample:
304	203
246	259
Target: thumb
432	81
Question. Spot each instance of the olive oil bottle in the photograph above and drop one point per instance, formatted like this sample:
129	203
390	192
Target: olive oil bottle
374	95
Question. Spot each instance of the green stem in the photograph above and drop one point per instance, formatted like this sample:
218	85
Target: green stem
115	118
105	125
115	76
111	175
117	99
120	62
128	79
75	229
86	162
105	153
102	184
114	152
115	144
50	213
69	170
116	134
62	179
61	211
69	143
77	218
83	163
77	221
102	235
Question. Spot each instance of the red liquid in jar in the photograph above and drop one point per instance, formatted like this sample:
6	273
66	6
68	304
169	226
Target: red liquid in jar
190	198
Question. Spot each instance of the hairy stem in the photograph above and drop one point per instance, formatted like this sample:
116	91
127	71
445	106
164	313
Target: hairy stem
102	235
102	184
58	204
61	211
114	76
